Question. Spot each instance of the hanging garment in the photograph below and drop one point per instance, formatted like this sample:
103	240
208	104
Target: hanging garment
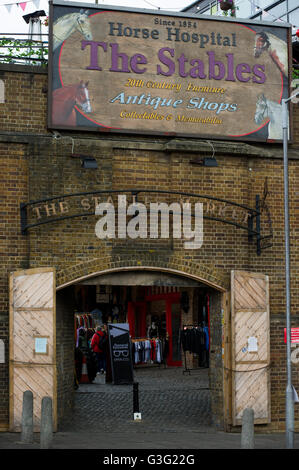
153	350
193	339
97	315
182	336
141	351
207	339
90	321
165	349
158	351
136	356
147	351
78	335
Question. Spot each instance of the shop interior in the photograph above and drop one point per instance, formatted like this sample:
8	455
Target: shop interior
169	325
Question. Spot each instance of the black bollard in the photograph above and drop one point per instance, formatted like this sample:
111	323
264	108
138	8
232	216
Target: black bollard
135	398
136	413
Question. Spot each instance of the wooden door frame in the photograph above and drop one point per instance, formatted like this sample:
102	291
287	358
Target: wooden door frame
169	303
227	360
131	317
12	275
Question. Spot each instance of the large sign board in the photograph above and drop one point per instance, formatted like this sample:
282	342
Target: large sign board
120	353
119	70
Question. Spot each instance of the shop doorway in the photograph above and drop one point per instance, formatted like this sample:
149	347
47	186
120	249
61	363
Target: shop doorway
172	322
174	380
159	315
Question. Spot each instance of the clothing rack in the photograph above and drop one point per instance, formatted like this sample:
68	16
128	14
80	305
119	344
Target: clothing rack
195	326
186	370
141	339
144	338
84	320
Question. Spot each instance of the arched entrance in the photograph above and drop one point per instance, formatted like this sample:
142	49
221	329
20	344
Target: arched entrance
43	333
164	306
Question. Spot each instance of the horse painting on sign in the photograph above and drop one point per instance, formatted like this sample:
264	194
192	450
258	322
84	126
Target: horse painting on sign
269	109
64	101
275	47
64	26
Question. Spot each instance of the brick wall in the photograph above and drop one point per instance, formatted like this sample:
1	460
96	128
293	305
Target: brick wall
40	166
216	363
13	246
65	307
25	107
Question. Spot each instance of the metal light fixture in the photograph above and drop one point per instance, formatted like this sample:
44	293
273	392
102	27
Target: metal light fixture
89	163
207	161
210	162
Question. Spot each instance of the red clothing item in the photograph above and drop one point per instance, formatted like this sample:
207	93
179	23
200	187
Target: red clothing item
95	341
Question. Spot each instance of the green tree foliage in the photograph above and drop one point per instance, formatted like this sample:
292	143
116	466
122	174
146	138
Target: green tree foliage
21	51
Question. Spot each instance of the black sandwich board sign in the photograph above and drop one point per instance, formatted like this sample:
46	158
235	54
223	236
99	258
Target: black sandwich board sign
120	353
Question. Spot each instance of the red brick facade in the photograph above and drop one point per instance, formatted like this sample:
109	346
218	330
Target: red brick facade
35	165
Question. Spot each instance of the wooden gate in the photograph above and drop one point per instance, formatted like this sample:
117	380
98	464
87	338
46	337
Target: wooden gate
250	346
32	342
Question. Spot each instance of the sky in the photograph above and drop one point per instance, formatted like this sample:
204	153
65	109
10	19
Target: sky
13	22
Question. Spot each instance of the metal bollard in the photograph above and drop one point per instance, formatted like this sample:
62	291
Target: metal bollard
46	425
27	418
247	437
136	413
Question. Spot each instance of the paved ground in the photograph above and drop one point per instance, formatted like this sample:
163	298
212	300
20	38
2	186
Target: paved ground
169	401
175	411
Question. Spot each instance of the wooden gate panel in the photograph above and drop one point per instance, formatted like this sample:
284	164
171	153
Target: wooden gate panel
40	381
251	391
249	292
254	324
250	361
33	291
28	325
32	316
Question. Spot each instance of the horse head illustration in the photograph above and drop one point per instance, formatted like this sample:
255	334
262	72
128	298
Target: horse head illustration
65	25
64	101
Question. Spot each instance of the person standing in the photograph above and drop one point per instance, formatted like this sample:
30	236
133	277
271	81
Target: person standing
98	345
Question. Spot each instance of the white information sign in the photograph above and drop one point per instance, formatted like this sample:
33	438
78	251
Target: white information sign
252	344
41	345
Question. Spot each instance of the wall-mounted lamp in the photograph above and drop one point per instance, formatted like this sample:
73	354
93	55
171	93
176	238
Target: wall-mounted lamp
207	161
87	161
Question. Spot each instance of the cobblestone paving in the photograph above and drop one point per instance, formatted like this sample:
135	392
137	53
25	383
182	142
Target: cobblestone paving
169	401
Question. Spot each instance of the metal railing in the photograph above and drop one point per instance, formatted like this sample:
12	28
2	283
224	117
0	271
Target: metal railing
17	48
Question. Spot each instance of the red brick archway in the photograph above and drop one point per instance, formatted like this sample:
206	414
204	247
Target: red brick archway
216	278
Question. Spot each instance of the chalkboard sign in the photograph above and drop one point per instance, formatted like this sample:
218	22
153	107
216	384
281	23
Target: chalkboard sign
120	353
